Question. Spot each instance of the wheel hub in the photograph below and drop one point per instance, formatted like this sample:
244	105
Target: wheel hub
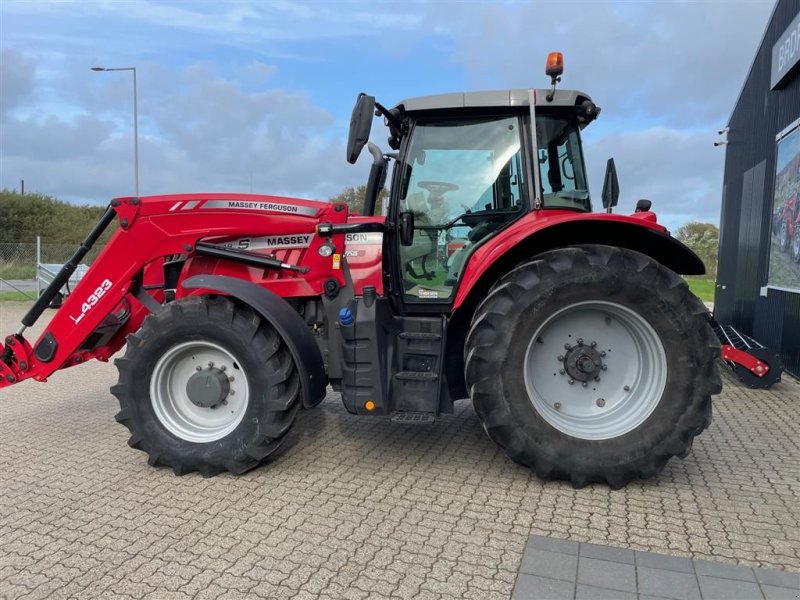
208	388
583	363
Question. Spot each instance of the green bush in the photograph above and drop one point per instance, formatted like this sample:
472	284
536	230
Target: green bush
55	221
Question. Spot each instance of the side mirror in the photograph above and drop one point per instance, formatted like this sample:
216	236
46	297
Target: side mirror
406	228
360	126
610	186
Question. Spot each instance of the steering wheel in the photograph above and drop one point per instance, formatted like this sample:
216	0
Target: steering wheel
437	188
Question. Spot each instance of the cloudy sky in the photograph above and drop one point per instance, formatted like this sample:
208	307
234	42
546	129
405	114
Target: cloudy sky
256	95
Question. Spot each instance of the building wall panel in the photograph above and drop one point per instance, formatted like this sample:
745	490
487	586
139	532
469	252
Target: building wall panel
759	115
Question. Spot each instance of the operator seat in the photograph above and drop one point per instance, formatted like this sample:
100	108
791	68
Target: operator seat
424	246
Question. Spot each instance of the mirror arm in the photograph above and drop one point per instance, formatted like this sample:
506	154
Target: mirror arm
377	178
380	109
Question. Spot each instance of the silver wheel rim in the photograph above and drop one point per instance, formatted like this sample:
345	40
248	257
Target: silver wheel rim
783	235
172	404
632	370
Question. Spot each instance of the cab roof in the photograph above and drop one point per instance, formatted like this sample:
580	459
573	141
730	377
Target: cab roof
491	99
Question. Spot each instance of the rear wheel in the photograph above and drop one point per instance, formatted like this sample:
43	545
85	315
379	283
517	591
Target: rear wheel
592	363
207	386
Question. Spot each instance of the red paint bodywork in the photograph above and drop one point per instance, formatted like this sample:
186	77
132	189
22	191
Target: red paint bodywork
153	228
748	361
487	254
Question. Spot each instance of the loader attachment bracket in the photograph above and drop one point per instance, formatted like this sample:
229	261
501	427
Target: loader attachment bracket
15	359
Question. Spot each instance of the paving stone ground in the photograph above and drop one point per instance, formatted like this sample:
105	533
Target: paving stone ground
559	569
355	507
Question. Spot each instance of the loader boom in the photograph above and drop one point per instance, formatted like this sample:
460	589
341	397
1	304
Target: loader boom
127	280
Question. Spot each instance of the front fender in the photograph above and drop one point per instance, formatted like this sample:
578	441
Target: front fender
291	327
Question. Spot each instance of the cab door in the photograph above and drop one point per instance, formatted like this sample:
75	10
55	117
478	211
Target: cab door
463	179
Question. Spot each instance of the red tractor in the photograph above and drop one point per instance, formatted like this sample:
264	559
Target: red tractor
787	226
585	355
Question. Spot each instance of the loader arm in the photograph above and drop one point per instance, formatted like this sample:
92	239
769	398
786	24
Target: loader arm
127	280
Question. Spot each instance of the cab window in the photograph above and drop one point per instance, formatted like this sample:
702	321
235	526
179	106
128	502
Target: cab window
561	168
463	179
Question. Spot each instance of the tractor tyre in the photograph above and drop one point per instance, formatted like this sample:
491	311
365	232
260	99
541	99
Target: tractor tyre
783	235
592	364
794	247
207	386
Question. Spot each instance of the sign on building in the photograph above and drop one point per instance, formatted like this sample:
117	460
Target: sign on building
785	53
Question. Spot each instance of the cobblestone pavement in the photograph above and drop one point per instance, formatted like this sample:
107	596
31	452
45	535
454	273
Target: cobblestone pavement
354	507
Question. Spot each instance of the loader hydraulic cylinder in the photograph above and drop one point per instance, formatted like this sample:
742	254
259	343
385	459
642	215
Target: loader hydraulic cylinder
67	270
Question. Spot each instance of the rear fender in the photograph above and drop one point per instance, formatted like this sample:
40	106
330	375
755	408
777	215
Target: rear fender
284	319
538	233
524	240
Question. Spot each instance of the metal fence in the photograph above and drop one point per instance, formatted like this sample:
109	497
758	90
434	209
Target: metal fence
18	260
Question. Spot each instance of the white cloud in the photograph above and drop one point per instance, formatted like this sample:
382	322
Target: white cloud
671	167
199	132
233	88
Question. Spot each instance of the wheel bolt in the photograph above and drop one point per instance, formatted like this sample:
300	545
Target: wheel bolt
600	402
560	357
567	347
223	368
584	384
602	353
571	381
597	378
231	378
604	367
211	364
557	405
593	344
561	371
580	341
231	392
198	368
627	388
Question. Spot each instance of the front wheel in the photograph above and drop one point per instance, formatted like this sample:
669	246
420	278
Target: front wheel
592	363
207	386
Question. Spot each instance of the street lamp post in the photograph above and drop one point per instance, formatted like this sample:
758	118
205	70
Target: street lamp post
135	122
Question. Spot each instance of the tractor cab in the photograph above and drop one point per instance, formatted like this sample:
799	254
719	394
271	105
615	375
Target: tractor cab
468	165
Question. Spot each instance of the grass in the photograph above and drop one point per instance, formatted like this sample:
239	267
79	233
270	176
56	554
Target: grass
10	270
703	287
17	296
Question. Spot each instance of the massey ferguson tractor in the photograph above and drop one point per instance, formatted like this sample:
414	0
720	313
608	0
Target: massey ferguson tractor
487	276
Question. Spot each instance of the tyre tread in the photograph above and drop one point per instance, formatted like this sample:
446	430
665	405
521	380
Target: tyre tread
484	351
284	384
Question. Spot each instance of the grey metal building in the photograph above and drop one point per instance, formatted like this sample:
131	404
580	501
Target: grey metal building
758	279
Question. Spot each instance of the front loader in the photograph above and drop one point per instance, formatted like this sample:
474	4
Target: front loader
488	276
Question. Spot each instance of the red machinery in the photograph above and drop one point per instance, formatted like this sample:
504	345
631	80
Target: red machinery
584	353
